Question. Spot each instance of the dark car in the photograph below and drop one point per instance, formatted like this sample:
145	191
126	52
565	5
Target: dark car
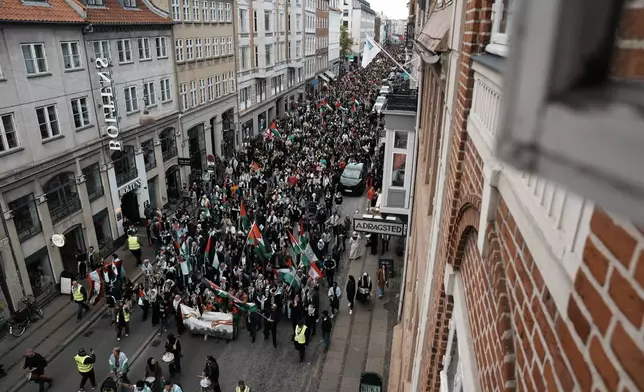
352	180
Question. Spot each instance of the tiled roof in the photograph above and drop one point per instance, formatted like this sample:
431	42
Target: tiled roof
114	13
53	11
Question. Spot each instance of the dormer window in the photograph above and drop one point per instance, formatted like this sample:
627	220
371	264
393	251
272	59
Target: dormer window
129	3
97	3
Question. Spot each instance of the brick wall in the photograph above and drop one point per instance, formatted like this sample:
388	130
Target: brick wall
520	340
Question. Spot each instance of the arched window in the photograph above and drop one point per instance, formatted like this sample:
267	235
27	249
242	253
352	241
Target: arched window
62	196
124	165
168	144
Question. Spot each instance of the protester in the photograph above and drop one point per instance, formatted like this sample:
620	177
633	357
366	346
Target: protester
85	366
301	338
351	292
36	364
79	296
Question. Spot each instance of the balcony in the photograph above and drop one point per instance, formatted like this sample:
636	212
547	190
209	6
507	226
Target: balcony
126	176
170	153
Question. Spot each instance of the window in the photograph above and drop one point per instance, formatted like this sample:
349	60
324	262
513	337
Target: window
229	13
213	11
80	112
62	196
125	50
176	12
231	79
224	84
186	10
162	47
298	45
183	92
398	169
149	97
288	54
193	93
230	45
298	23
208	47
71	55
211	89
267	21
129	3
8	134
149	158
93	182
199	48
256	56
288	25
102	49
179	49
35	58
48	122
254	21
217	86
144	49
97	3
202	91
131	103
244	98
215	46
222	47
204	11
243	21
165	90
25	216
244	57
190	54
195	10
502	11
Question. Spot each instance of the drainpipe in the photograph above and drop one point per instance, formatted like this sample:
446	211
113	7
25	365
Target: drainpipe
411	198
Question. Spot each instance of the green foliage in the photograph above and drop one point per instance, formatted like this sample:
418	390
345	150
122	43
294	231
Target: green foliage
346	42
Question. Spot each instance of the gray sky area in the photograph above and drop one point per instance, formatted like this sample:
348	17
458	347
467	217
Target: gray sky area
393	9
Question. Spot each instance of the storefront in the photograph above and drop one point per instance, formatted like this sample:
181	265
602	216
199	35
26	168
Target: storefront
74	243
102	228
173	182
248	129
197	150
152	190
40	273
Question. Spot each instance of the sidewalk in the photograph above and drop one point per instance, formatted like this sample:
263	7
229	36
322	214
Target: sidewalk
358	341
59	327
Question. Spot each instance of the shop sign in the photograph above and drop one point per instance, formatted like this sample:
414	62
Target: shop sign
111	118
58	240
378	226
210	163
183	161
136	184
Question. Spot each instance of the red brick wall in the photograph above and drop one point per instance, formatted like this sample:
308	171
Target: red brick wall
520	339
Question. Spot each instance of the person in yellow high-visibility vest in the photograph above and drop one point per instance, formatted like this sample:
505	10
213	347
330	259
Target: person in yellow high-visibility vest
134	245
241	387
85	365
301	338
122	320
79	296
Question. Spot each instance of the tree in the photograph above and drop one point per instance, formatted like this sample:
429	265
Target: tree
346	42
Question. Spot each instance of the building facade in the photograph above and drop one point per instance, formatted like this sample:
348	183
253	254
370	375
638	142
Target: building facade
377	26
322	38
512	282
363	23
335	16
270	69
310	17
105	106
204	45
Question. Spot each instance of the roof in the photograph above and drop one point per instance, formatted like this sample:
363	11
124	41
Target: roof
115	13
354	166
51	11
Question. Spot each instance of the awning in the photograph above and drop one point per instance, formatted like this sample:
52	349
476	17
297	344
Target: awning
324	77
329	74
433	37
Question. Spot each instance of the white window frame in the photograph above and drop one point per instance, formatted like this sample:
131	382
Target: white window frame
231	79
217	86
103	51
220	12
205	13
222	46
69	45
124	48
224	84
555	124
195	10
244	58
166	93
186	10
267	18
213	11
129	3
130	100
149	95
211	89
215	46
144	49
77	103
198	48
190	53
3	132
243	21
183	93
176	11
230	45
161	44
49	122
202	91
193	93
179	51
229	13
499	42
32	52
208	48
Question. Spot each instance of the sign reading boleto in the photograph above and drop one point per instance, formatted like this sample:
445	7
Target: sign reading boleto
107	95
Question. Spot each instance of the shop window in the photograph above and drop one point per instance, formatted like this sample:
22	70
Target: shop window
124	165
398	170
93	181
102	228
39	272
148	154
62	196
25	217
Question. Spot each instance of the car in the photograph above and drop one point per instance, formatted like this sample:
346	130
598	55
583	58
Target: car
384	91
352	180
380	102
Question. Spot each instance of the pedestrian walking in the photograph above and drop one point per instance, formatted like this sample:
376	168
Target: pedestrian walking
36	364
382	280
326	326
162	309
242	387
85	366
300	338
79	296
211	371
122	320
270	324
134	245
351	292
172	345
119	365
334	298
254	324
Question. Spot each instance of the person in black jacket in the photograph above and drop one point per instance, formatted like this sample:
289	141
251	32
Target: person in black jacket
326	329
270	324
212	372
36	364
79	296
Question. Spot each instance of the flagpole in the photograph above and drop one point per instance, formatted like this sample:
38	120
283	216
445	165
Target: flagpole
392	59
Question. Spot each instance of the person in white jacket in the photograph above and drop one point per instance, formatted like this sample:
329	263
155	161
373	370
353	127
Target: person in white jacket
334	298
119	364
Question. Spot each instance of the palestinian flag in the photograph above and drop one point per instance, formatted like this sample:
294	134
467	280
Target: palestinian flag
208	250
245	223
255	166
215	261
273	129
315	272
294	243
246	307
308	255
338	105
256	239
288	276
96	286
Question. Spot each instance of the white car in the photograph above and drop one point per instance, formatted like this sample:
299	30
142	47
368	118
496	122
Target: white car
384	90
380	102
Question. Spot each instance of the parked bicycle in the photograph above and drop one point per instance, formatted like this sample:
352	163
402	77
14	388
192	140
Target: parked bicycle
20	321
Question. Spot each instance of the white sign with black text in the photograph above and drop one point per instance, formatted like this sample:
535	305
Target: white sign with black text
378	226
136	184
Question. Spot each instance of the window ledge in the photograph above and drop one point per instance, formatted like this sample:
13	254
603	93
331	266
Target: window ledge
71	70
167	101
144	60
84	127
498	49
11	151
53	138
38	75
162	58
133	112
126	62
154	105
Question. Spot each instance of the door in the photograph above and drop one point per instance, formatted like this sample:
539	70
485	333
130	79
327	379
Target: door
130	207
74	242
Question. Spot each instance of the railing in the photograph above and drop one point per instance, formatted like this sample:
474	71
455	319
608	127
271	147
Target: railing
126	176
486	105
170	153
406	102
59	213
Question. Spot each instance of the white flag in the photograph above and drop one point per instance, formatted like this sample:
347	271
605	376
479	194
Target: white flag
369	52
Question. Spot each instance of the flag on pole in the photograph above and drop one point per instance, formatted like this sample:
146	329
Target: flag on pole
369	52
208	247
215	261
315	272
308	256
294	243
288	276
276	133
245	223
256	239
